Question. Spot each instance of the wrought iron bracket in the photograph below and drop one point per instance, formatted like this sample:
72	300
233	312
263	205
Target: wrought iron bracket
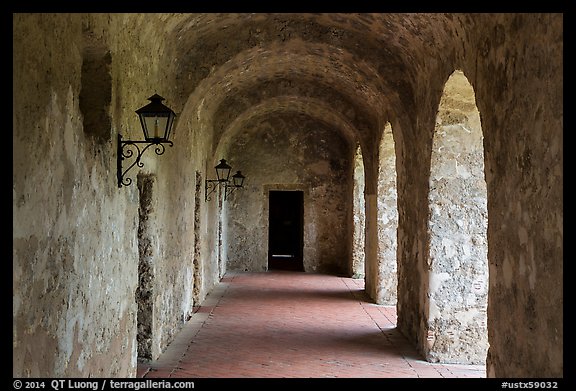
130	149
228	189
210	186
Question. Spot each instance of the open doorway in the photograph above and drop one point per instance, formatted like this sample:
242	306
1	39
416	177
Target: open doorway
286	230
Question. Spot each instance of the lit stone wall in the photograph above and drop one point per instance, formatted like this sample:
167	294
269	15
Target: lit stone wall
458	264
75	251
387	221
78	78
359	218
312	158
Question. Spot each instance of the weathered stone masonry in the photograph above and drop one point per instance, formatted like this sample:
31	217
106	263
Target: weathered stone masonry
287	98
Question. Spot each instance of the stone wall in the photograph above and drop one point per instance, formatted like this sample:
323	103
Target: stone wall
74	233
311	158
518	86
523	139
78	79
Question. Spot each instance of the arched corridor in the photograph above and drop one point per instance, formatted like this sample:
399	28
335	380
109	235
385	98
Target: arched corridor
421	153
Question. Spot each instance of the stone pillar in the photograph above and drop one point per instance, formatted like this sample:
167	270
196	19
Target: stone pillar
372	277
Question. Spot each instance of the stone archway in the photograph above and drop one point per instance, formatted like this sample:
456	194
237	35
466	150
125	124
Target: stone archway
359	217
387	220
458	220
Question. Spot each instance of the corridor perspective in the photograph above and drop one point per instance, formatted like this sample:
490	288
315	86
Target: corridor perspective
373	194
284	324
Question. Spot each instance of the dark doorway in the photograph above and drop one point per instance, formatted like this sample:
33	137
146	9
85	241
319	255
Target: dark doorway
286	230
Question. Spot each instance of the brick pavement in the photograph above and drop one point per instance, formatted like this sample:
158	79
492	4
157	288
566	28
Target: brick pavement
294	325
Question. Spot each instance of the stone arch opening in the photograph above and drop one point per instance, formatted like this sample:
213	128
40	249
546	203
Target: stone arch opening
458	221
386	293
359	217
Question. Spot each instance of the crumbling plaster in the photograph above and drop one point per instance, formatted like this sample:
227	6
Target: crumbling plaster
75	251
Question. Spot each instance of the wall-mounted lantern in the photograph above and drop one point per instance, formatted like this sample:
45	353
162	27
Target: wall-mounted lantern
223	174
237	183
156	120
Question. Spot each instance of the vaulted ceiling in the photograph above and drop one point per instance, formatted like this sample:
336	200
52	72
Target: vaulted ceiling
350	71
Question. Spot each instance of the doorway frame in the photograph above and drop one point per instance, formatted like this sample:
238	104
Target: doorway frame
294	201
266	188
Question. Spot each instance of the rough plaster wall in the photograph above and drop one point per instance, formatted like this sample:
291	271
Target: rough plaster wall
197	277
522	76
387	221
291	151
195	241
174	252
513	61
142	69
458	221
358	217
76	256
164	294
222	232
186	227
74	239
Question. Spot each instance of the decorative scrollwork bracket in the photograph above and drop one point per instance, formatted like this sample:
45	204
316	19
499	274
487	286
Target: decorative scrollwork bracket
130	149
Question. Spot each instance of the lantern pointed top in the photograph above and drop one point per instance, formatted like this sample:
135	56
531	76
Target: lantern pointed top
223	164
155	105
155	97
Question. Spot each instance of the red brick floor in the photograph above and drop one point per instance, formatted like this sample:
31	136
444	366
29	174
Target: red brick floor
294	325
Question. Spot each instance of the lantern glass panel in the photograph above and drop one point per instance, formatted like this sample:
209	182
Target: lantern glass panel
155	126
238	179
223	171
